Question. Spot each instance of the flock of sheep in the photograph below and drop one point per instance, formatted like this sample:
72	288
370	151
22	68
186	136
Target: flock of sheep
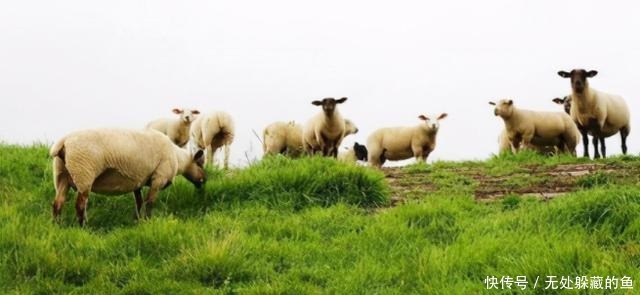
118	161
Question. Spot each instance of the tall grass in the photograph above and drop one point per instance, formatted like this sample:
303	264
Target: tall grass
305	227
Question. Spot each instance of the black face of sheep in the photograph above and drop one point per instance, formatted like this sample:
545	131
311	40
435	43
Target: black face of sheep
361	152
578	78
328	104
565	102
195	171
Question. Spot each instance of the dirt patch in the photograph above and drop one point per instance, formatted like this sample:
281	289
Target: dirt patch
536	181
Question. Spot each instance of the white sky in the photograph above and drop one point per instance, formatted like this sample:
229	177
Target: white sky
67	65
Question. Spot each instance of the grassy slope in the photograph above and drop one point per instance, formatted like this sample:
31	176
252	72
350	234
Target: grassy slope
312	226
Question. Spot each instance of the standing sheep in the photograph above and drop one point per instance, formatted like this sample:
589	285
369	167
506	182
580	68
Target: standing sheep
400	143
528	128
286	137
597	113
324	132
177	130
212	131
118	161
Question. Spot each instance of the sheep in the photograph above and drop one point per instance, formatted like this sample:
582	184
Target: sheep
351	155
282	137
400	143
505	145
597	113
212	131
324	132
286	137
119	161
527	128
177	130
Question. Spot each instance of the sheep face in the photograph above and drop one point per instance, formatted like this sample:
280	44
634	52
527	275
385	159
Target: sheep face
328	104
349	127
578	78
186	115
195	170
504	108
361	152
431	124
565	102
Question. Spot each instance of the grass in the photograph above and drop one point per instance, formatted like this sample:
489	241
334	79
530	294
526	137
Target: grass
315	226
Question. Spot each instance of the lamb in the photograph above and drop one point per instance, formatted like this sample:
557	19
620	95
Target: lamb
400	143
212	131
324	132
119	161
597	113
177	130
357	153
528	128
286	137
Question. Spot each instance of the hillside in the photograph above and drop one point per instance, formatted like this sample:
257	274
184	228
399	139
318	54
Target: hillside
315	226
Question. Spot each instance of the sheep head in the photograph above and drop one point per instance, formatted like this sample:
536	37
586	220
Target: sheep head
186	115
328	104
431	124
578	78
565	101
504	108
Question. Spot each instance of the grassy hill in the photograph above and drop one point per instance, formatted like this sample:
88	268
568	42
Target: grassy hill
315	226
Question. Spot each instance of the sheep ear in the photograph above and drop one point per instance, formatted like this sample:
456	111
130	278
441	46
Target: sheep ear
423	117
198	155
510	102
492	103
316	103
564	74
442	116
591	74
558	100
195	112
177	111
341	100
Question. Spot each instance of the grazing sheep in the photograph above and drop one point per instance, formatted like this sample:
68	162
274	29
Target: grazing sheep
212	131
286	137
357	153
400	143
118	161
505	145
324	132
528	128
177	130
597	113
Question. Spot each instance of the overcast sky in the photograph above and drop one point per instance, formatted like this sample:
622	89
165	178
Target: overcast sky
68	65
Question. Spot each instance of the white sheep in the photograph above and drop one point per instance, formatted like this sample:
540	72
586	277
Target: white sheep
212	131
176	129
597	113
527	128
505	145
353	154
400	143
324	132
118	161
286	137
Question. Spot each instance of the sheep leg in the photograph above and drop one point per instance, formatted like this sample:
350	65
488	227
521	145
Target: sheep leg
62	187
226	156
596	153
138	195
81	206
418	154
624	132
585	141
603	147
151	198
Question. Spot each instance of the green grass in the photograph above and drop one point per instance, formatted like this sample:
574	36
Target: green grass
314	226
